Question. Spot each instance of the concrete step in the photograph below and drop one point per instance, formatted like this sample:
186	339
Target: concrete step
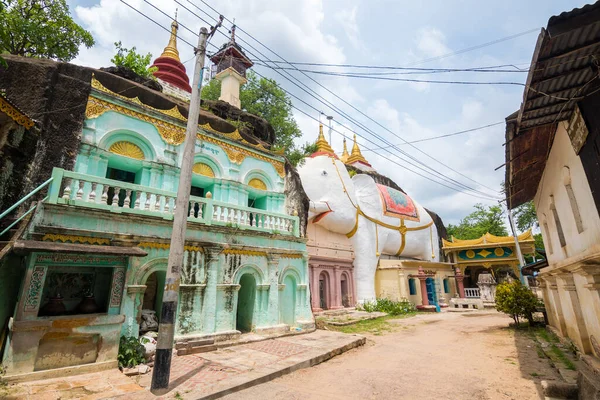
193	343
196	349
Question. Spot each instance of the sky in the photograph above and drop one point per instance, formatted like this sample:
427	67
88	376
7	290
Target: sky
374	32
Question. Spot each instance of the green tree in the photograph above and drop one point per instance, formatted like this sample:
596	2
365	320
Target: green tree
525	217
130	58
41	28
264	97
516	300
479	222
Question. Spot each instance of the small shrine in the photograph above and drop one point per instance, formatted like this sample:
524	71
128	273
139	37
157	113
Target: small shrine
230	65
492	256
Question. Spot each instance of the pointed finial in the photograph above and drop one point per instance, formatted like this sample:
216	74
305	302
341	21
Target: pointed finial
233	32
171	50
322	144
345	154
356	154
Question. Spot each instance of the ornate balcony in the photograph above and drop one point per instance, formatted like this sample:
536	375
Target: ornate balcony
90	191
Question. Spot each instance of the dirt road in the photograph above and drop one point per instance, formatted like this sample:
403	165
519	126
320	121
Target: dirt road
436	356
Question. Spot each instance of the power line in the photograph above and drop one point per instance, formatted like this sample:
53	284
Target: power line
370	141
444	136
363	127
483	69
433	173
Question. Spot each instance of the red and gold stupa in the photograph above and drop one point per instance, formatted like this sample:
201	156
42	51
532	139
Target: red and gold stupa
170	68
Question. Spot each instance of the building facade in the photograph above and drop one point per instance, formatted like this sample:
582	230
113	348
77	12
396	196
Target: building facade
553	159
95	252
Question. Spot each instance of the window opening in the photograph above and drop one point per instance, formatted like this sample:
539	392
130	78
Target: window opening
574	207
412	287
548	236
559	230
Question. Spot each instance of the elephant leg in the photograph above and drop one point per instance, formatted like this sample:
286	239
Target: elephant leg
365	262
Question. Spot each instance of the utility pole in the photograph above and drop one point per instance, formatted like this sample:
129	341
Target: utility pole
517	247
330	118
166	329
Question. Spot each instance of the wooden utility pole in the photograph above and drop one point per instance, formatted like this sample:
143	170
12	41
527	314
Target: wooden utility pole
517	248
166	329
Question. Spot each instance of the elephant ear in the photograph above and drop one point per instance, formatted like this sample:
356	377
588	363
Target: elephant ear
367	195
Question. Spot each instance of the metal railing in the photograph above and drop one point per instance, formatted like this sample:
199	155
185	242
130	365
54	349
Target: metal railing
95	192
472	293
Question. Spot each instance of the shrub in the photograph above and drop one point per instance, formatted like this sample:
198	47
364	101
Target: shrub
388	306
131	352
516	300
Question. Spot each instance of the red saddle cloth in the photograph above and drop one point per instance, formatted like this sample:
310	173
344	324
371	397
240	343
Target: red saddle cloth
397	204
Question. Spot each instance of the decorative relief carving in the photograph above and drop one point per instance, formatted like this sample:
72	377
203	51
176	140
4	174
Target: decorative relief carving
166	246
577	131
79	258
203	169
175	135
127	149
257	184
34	293
245	252
51	237
117	287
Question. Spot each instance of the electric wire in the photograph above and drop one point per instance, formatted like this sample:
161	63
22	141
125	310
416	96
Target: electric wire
459	190
360	124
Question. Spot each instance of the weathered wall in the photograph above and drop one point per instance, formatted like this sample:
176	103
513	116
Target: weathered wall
55	95
11	275
296	199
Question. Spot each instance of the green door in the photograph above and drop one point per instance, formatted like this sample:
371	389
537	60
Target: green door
288	301
245	303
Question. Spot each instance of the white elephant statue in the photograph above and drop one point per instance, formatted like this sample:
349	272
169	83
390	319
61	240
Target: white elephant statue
377	219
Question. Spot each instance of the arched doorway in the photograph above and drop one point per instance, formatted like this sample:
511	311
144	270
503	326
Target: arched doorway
344	290
245	303
324	291
153	295
288	301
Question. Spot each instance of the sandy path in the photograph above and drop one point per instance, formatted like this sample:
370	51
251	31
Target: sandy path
437	356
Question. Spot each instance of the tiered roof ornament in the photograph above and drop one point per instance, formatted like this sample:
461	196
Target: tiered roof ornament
357	159
230	65
323	147
170	68
345	155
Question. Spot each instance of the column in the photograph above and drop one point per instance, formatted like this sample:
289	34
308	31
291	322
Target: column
423	278
460	283
587	279
336	289
402	282
555	305
314	288
210	293
576	328
273	277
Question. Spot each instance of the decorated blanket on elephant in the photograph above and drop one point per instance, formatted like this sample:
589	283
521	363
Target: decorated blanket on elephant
397	204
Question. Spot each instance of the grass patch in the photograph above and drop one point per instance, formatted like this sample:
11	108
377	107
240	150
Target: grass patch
560	355
377	326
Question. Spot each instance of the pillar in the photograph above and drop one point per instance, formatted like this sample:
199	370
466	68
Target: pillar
587	279
210	293
460	285
336	289
575	324
273	279
422	277
555	304
314	288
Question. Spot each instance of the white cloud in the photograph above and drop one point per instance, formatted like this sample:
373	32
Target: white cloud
347	18
431	42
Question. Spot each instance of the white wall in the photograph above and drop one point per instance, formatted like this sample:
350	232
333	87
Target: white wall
553	184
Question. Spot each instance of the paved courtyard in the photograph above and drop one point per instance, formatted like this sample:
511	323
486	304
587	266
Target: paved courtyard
431	356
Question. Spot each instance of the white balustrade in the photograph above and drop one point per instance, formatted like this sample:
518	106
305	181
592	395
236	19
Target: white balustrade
472	293
79	189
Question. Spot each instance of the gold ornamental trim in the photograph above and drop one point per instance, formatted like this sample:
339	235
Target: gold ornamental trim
51	237
166	246
257	184
175	135
127	149
15	114
245	252
488	238
203	169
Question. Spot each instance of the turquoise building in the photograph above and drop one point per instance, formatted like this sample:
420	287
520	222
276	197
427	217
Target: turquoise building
95	251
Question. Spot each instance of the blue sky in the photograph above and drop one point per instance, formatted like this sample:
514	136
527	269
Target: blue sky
373	33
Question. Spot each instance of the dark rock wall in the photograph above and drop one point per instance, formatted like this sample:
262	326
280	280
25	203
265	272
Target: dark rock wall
55	95
296	198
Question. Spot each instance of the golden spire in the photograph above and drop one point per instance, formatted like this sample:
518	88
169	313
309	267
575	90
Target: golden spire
171	50
322	144
356	154
345	154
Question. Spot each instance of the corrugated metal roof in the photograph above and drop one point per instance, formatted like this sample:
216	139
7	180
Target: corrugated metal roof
563	70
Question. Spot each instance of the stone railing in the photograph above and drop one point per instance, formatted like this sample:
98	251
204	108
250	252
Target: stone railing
92	191
472	293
